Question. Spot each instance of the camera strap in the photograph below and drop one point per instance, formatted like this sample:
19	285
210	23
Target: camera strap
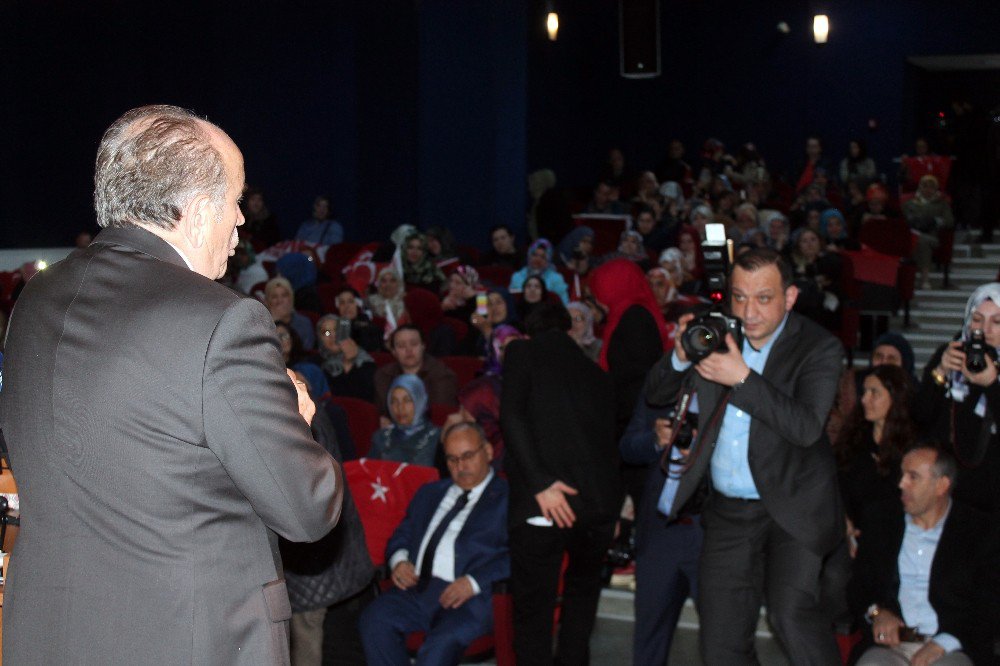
686	391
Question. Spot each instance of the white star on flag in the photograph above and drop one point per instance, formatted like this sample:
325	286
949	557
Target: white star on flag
379	489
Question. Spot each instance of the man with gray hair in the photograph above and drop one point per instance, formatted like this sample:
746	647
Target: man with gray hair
158	443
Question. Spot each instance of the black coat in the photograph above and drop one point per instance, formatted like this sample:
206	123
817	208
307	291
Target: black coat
557	412
337	566
965	579
790	456
974	442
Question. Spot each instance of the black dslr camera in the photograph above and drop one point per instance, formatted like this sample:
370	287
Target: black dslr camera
977	352
706	334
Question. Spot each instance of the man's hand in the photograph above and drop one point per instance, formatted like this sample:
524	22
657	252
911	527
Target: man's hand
928	654
885	628
682	325
404	576
461	416
728	368
663	429
457	593
552	502
953	360
307	408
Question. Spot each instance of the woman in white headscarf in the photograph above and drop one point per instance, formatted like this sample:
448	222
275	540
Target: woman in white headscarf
959	406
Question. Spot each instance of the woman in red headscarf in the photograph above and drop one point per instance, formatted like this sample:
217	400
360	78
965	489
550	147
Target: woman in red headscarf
635	336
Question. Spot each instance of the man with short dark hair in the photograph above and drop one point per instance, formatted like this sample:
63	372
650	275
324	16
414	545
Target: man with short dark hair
927	580
444	559
407	346
158	443
557	412
503	251
604	201
774	513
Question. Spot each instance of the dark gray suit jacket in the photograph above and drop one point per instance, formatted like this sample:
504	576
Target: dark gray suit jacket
157	447
790	457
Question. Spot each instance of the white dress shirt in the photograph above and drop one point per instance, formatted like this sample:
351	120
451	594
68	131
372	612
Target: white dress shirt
444	556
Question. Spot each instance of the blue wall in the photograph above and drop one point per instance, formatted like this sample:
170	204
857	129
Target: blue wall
727	73
431	112
402	111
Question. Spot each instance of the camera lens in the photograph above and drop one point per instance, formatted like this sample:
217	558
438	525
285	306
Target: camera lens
702	339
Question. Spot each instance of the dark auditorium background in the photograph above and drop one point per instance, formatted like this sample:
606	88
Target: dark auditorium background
434	111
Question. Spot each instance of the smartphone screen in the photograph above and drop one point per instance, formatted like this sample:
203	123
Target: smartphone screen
343	329
481	305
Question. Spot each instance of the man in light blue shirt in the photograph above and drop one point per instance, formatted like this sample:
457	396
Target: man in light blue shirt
774	514
930	573
320	229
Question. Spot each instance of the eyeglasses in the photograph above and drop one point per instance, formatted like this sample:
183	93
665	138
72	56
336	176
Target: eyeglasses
579	318
465	457
328	334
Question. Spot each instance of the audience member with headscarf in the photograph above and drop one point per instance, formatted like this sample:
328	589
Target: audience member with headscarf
501	308
927	213
419	268
960	408
540	264
634	337
479	400
833	230
630	247
280	300
387	301
533	295
350	370
775	225
460	298
582	330
411	438
575	250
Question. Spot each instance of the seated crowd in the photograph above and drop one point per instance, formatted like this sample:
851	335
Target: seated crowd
391	338
389	323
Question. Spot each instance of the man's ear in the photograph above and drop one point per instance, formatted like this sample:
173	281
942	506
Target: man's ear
195	221
791	295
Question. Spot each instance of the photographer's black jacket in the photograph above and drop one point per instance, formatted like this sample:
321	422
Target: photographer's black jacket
971	437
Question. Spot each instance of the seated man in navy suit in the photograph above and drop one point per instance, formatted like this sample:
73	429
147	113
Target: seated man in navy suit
444	558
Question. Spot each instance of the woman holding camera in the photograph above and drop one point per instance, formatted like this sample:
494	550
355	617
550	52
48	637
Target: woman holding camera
958	400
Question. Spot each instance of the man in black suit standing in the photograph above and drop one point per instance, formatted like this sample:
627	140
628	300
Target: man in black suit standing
156	438
774	512
927	579
557	412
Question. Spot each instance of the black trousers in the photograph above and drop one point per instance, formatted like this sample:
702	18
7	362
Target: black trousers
747	560
536	557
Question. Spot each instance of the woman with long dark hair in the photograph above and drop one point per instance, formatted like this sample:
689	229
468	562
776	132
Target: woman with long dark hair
871	446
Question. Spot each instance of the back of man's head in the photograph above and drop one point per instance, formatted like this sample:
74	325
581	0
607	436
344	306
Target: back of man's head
548	316
151	163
